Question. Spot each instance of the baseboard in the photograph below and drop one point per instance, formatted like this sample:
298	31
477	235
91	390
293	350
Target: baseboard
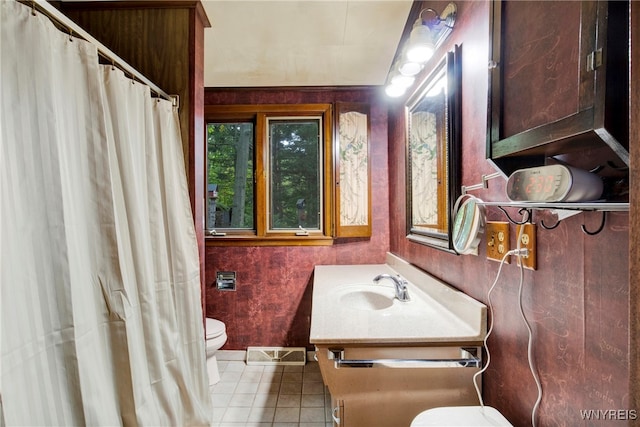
231	355
241	355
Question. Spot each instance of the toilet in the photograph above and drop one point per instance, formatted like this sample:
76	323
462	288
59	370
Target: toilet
216	337
460	416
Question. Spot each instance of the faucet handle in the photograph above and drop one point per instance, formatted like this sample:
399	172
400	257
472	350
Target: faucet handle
404	292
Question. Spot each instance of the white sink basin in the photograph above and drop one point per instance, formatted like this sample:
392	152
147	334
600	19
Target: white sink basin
366	296
349	308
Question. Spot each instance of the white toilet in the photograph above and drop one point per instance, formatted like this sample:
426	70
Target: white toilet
216	337
460	416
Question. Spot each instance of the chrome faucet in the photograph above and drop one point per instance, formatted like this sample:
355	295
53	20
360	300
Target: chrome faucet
401	285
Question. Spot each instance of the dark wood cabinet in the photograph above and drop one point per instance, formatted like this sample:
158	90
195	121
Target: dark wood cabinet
559	86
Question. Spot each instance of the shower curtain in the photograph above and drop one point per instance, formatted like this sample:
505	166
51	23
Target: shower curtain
101	318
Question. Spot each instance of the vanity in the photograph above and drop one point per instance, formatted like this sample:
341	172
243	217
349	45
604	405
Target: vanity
384	360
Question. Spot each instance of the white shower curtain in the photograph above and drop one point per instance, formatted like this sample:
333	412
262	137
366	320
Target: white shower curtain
101	319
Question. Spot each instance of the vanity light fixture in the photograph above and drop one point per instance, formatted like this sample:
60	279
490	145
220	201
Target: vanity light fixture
428	32
420	46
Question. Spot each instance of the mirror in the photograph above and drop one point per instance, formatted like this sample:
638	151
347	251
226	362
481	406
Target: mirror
433	117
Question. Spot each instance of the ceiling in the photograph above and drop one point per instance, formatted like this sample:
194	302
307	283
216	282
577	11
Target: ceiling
263	43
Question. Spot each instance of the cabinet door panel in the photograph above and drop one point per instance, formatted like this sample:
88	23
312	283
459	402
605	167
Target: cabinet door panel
363	394
540	63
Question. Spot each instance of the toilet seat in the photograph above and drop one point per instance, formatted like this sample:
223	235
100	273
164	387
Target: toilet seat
460	416
215	328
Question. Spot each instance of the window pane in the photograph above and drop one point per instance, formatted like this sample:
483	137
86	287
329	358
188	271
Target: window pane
230	175
294	174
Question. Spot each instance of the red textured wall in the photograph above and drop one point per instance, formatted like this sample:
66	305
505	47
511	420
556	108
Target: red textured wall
578	299
272	303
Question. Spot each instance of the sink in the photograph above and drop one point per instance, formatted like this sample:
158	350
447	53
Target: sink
348	308
365	296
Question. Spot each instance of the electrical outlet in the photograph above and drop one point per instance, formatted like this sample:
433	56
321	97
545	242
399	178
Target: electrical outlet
528	241
497	240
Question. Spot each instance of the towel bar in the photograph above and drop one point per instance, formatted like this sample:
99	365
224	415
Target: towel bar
468	360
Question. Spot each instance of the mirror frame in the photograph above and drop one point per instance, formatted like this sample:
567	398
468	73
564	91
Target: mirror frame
450	145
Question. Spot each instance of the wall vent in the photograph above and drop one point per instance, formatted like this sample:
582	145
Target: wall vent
276	355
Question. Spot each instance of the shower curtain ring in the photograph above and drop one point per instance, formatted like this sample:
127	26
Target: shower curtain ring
70	34
33	8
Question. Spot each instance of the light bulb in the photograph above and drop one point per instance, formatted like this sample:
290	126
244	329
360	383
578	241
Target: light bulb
402	80
394	91
420	46
420	53
409	68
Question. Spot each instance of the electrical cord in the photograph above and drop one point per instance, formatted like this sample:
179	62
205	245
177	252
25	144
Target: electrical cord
486	337
532	367
519	252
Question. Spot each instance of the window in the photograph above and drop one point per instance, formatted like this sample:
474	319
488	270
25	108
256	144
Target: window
295	173
230	175
269	174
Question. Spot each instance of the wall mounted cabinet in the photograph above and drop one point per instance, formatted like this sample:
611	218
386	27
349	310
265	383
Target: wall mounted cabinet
559	85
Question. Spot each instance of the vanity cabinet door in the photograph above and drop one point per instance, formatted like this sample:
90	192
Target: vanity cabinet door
559	84
393	396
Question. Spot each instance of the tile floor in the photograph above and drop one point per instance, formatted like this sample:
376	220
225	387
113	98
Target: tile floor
275	396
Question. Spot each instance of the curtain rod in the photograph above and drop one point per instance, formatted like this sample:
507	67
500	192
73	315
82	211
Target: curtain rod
63	20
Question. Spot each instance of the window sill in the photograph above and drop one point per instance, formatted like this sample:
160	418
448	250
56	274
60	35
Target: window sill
268	241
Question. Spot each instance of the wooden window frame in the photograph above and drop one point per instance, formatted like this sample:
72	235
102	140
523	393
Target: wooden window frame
261	236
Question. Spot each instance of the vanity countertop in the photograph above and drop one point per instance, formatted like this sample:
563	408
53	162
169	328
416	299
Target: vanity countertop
437	314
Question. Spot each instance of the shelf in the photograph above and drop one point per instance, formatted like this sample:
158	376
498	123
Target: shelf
562	211
590	206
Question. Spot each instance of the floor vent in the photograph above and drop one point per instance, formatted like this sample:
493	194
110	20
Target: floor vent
276	355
